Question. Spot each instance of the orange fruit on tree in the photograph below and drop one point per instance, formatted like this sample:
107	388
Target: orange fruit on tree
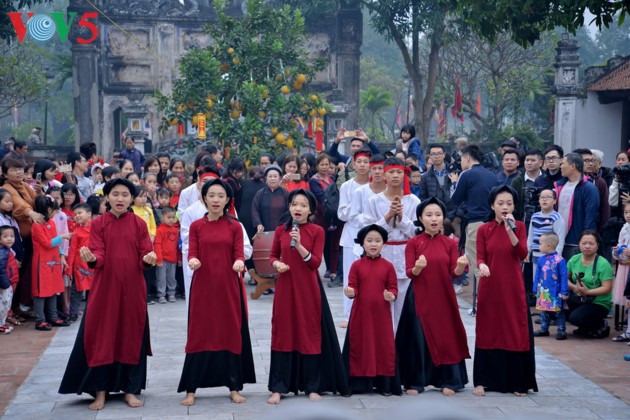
236	60
265	93
297	85
224	68
314	98
290	143
230	50
312	112
235	115
321	112
208	115
300	78
319	123
285	89
195	121
280	138
174	121
209	104
181	108
274	131
262	114
191	103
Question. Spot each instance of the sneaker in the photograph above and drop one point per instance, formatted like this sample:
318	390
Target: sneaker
59	323
43	326
541	333
150	302
6	329
626	357
172	299
162	300
73	318
561	335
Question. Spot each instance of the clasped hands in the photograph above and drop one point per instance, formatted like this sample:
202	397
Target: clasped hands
387	295
238	265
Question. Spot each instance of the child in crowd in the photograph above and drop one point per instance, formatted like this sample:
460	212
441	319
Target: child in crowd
134	178
169	256
82	275
7	219
551	285
141	209
164	198
48	264
8	276
97	205
622	254
61	222
70	195
372	285
150	182
174	186
544	221
97	177
414	180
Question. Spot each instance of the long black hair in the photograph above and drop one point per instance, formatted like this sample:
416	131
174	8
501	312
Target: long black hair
44	204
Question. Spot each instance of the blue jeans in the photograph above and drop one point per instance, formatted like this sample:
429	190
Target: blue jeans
561	319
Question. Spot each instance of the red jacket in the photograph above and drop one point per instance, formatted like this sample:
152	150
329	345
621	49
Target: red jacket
166	244
78	269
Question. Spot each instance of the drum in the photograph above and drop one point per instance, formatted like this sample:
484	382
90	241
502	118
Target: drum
262	252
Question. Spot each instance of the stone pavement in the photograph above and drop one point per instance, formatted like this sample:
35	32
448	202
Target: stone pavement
563	392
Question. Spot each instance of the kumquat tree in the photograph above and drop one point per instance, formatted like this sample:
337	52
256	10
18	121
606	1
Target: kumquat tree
251	84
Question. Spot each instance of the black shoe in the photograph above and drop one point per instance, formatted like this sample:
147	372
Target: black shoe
336	283
59	323
73	318
268	292
43	326
62	315
541	333
602	332
561	335
581	333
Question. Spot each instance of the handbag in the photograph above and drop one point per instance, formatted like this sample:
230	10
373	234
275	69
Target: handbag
573	298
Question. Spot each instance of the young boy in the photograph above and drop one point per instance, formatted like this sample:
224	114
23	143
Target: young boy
395	210
140	208
8	276
174	185
551	286
78	269
164	198
168	255
414	180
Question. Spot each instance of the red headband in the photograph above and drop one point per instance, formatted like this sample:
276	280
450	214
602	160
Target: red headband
377	162
207	175
362	154
406	171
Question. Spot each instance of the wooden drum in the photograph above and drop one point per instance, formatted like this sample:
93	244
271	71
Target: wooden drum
264	274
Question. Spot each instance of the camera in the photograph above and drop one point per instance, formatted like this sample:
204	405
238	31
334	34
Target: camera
490	161
455	166
622	176
531	197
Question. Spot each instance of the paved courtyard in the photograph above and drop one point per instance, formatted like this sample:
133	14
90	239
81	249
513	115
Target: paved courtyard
563	393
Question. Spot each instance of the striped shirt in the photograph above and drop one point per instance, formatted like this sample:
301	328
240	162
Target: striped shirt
545	223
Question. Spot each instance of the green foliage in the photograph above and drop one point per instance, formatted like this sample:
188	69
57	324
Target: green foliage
314	11
22	76
527	20
237	82
374	101
490	138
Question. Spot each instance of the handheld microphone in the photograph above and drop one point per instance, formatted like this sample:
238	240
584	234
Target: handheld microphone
511	224
294	228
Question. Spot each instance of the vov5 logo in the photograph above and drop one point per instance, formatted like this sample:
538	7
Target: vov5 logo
42	27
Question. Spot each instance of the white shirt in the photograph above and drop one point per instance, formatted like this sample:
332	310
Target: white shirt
350	229
188	197
564	202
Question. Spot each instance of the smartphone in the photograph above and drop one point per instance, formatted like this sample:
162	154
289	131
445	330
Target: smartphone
65	168
38	177
295	177
351	133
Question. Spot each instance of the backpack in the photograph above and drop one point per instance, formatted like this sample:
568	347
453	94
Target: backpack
331	205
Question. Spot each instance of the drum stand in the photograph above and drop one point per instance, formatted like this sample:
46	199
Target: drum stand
263	284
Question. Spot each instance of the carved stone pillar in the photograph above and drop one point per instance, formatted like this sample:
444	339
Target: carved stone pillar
349	39
85	76
566	88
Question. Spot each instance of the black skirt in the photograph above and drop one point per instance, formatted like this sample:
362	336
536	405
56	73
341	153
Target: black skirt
414	358
207	369
114	377
325	372
386	385
506	371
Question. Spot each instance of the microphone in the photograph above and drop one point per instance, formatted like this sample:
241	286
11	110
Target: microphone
511	224
294	228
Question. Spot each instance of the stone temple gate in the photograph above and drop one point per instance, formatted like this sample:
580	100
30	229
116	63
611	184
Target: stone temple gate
138	49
